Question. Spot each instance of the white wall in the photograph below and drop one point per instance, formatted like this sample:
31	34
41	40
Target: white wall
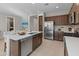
33	23
17	23
3	23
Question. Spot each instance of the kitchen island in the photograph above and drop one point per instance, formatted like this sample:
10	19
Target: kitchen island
71	46
22	45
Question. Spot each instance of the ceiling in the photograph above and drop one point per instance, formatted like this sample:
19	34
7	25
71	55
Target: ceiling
24	9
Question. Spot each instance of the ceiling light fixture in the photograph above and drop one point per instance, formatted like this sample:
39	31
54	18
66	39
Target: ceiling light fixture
57	6
33	3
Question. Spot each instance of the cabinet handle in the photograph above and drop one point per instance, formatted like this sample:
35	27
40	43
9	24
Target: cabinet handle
5	47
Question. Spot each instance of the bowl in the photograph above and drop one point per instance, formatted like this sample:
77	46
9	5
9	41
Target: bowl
22	33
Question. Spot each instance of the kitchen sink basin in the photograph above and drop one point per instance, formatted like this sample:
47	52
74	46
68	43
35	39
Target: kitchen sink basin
32	33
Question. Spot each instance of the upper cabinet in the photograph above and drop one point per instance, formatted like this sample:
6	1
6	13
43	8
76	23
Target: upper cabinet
74	14
40	23
72	18
77	17
59	20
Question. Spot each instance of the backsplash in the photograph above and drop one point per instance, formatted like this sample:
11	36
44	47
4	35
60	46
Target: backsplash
65	28
76	28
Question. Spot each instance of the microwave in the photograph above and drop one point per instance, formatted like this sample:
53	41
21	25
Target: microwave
72	18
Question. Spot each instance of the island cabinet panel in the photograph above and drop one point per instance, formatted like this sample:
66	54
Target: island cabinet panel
65	49
15	48
40	38
37	40
26	46
34	42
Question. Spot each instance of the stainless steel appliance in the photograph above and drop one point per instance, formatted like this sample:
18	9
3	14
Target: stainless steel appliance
48	29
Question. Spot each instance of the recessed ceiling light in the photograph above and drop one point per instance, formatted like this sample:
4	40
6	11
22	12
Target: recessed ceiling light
33	3
57	6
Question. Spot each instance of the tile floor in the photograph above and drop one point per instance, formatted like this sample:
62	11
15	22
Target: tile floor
50	48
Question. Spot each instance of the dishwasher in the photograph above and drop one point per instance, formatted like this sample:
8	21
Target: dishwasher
26	46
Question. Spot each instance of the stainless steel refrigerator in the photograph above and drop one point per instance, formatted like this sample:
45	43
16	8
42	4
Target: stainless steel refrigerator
48	30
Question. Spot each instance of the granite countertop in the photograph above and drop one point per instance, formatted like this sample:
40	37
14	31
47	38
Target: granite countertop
71	34
14	36
72	44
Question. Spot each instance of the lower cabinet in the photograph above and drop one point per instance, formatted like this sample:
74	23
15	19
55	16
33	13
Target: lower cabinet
34	42
15	48
37	40
25	46
59	35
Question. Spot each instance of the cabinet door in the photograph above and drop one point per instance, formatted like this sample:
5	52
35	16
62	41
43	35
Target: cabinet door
40	23
37	40
40	38
56	36
34	42
61	35
77	18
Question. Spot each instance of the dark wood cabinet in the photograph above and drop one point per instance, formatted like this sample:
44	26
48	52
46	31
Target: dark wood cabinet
74	14
37	40
40	23
40	38
59	20
59	35
34	42
56	35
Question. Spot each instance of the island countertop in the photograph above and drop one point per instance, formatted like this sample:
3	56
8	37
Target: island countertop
72	45
14	36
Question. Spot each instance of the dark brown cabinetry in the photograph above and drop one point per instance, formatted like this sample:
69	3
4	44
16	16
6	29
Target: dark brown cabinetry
59	20
40	23
74	14
59	35
37	40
